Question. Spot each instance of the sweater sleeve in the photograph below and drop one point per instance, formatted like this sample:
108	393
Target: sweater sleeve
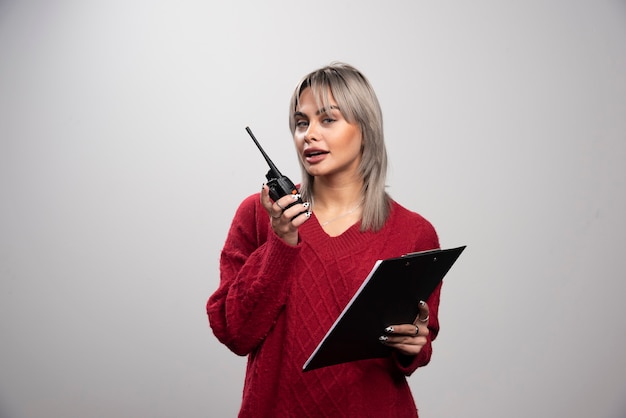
426	239
255	266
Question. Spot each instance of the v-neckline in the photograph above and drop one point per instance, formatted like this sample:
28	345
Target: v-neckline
315	235
318	224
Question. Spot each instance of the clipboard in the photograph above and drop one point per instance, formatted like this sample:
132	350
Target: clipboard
389	295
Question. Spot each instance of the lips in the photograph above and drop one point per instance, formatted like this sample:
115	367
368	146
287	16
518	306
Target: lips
314	155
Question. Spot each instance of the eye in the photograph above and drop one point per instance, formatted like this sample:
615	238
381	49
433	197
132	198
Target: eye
302	123
328	119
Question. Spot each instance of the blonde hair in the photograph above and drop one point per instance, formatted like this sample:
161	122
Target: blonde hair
358	103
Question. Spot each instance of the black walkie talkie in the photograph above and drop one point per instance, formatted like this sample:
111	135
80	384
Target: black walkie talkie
278	184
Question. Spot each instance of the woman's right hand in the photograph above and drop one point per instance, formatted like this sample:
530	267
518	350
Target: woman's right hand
285	221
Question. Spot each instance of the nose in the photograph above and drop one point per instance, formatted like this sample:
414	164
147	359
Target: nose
311	133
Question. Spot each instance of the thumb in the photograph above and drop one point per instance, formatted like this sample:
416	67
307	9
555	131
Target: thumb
424	313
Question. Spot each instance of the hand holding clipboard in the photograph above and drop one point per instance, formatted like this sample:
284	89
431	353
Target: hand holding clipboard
389	295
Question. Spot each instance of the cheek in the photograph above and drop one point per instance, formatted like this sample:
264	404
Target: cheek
356	145
355	138
298	141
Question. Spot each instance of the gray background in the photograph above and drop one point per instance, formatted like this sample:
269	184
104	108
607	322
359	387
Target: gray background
123	156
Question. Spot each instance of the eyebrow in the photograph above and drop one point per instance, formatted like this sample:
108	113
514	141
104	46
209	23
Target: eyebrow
319	112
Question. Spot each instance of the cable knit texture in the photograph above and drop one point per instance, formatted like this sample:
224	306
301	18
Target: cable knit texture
276	302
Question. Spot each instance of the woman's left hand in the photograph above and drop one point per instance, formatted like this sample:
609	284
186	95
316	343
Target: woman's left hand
409	339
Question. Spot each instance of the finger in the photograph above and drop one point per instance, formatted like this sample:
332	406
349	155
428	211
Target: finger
292	206
406	330
295	209
410	347
424	313
301	214
270	207
288	201
266	202
276	210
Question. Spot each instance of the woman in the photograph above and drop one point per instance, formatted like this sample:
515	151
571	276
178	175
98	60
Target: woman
288	271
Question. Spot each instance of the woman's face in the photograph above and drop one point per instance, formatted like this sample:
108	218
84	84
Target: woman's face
328	145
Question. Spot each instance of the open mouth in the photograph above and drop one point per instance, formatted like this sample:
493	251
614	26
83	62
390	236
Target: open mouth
315	156
314	153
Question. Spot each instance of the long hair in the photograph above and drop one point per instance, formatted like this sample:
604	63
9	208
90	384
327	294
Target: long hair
359	105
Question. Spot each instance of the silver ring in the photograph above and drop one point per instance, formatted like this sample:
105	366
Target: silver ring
425	319
278	204
417	329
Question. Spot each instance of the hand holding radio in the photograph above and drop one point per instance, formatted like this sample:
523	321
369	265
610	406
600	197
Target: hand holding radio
278	184
287	210
285	222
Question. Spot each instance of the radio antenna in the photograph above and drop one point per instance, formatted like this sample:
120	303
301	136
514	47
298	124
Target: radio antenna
273	170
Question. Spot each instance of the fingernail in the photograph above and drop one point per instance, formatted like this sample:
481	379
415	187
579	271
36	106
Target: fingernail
422	303
383	338
296	196
308	214
306	204
389	330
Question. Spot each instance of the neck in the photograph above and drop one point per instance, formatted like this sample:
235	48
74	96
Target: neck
334	197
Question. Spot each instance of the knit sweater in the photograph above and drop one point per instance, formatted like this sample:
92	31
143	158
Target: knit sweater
275	303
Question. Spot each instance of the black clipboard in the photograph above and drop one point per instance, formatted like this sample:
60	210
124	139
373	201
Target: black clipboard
389	295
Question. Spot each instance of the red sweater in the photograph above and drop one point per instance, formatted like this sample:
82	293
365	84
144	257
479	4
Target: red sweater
276	302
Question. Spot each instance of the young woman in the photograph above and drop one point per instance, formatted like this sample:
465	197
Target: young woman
288	271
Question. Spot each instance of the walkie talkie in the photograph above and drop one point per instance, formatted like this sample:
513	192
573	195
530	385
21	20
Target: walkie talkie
278	184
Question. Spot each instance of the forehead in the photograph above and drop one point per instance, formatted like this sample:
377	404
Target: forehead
316	101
